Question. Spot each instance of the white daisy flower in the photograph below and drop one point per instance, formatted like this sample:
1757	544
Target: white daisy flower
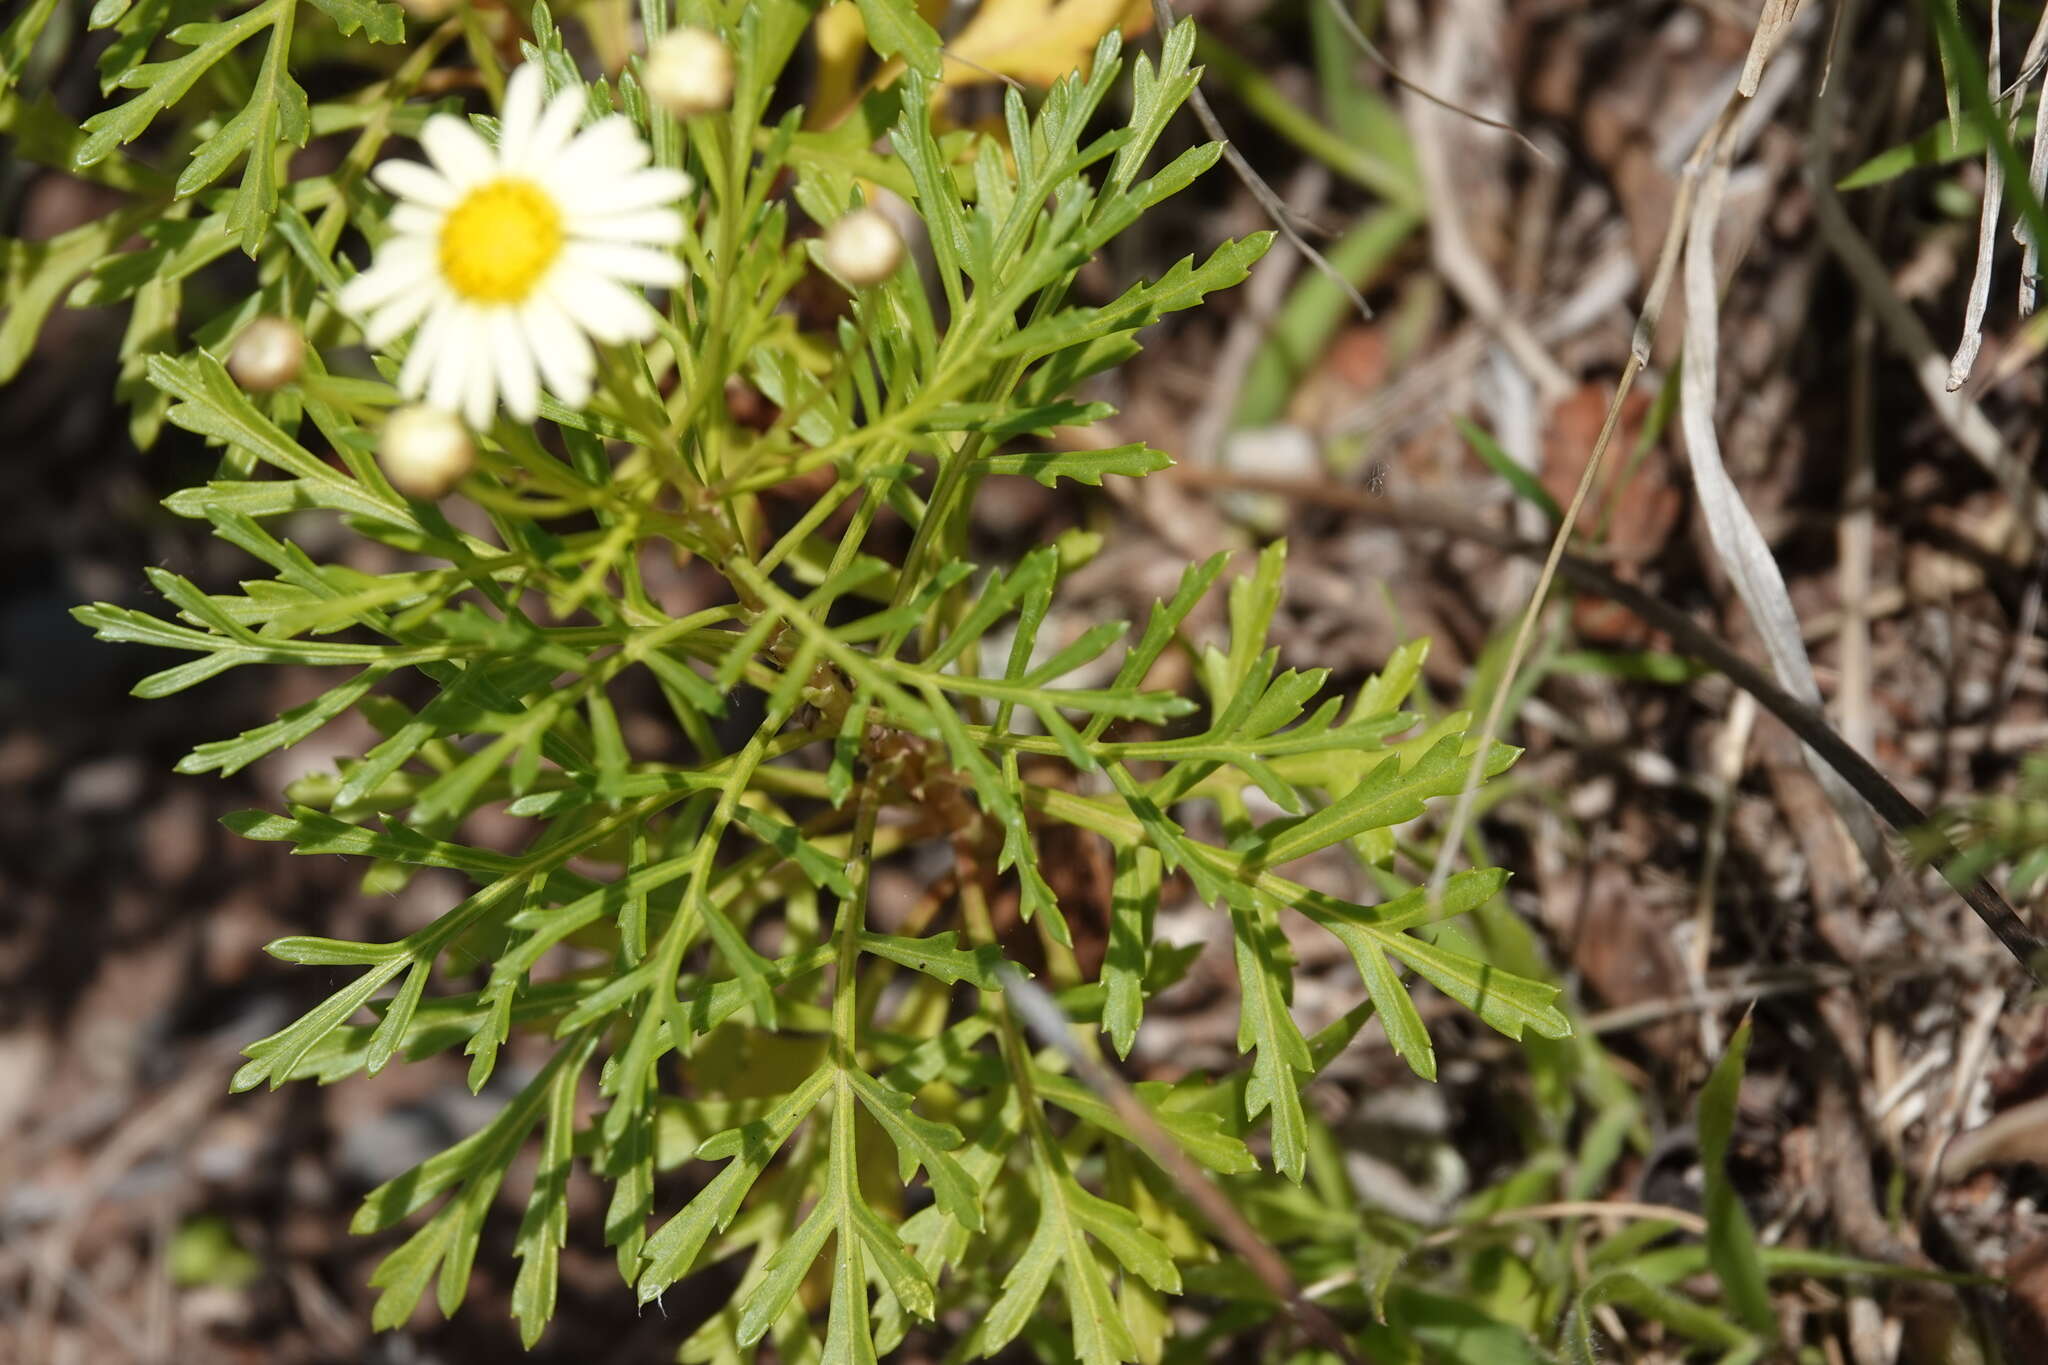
511	260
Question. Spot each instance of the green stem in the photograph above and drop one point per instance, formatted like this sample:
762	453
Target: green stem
852	919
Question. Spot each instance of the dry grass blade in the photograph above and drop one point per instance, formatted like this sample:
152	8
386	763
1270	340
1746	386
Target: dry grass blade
2037	181
1771	27
1987	242
2037	166
1902	328
1737	540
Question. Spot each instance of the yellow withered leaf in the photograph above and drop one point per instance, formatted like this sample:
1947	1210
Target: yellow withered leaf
1037	41
1033	41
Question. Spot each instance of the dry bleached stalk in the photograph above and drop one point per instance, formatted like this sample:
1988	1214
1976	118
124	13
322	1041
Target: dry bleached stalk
1908	335
2031	65
1738	541
1987	240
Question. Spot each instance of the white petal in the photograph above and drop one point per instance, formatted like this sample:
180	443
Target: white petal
601	154
417	220
449	380
558	345
426	348
512	358
416	181
600	307
400	266
653	187
480	392
557	123
520	113
661	226
391	322
457	152
623	261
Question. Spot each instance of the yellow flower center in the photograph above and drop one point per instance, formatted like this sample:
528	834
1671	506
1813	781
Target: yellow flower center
499	240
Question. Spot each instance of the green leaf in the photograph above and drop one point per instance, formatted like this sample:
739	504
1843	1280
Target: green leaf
1134	899
783	1274
1068	1217
1082	466
165	83
1525	483
398	1016
1731	1239
1396	1009
275	113
1265	1025
940	957
1942	145
1201	1134
1389	795
1002	421
212	405
1512	1004
40	133
1184	286
477	1165
936	197
896	29
822	869
377	21
18	42
229	756
35	275
544	1229
921	1142
671	1251
275	1057
1155	97
1703	1326
312	831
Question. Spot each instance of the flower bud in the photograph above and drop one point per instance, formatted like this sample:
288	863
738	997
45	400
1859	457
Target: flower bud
689	71
863	248
425	451
268	354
